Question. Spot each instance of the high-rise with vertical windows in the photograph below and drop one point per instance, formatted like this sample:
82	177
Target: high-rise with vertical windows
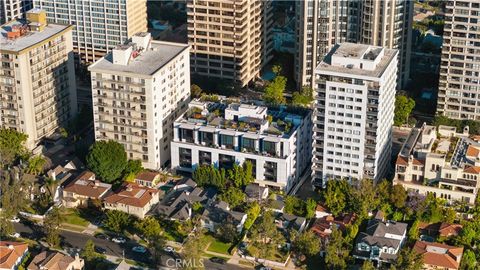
100	25
459	86
13	9
230	39
323	23
354	102
138	90
37	77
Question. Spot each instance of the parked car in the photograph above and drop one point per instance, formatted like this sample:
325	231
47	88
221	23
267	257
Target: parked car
217	260
168	249
139	249
15	219
119	240
100	250
102	236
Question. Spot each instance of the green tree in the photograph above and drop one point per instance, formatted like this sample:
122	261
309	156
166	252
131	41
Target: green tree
233	196
208	175
335	196
413	233
403	108
107	159
274	91
196	91
192	250
93	259
149	227
307	243
367	265
310	207
303	98
294	206
51	226
197	207
156	245
12	145
398	196
132	169
36	165
364	199
277	69
237	175
252	213
265	236
449	215
227	233
408	259
6	227
117	221
248	171
336	251
468	260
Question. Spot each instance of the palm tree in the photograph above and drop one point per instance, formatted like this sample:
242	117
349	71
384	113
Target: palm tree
36	164
51	186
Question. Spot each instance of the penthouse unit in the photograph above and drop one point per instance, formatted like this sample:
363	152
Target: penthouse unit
230	39
441	162
353	117
458	95
37	78
276	141
99	25
138	90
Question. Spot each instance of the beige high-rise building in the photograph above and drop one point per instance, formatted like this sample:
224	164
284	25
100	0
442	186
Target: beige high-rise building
323	23
459	86
37	78
13	9
100	25
138	91
229	39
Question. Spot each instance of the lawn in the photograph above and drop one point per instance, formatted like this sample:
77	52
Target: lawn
72	216
217	245
278	255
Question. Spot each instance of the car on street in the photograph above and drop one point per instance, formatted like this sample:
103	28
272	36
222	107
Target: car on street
102	236
100	250
168	249
139	249
15	235
15	219
119	240
217	260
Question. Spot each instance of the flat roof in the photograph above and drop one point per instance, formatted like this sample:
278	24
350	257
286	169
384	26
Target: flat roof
147	63
356	51
29	39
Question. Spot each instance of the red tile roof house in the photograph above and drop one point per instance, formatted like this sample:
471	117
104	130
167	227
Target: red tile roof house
12	254
148	179
83	189
441	229
133	199
439	256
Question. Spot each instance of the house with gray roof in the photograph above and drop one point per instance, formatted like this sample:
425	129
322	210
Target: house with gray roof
381	240
287	221
255	192
220	213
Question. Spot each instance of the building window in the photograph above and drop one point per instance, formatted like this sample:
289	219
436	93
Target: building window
185	157
270	171
226	161
204	158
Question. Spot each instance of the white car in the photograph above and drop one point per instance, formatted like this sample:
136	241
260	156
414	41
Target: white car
15	235
168	249
15	219
119	240
139	249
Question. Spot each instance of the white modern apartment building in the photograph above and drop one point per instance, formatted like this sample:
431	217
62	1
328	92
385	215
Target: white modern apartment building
138	90
230	40
276	142
37	77
323	23
353	117
440	161
459	86
100	25
13	9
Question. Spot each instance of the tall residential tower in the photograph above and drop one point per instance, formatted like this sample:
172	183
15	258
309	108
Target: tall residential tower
458	93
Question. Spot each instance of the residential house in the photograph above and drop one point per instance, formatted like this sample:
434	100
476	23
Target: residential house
256	192
216	215
84	189
321	211
148	179
287	221
133	199
54	260
177	205
440	229
12	254
323	226
185	184
439	256
381	240
276	204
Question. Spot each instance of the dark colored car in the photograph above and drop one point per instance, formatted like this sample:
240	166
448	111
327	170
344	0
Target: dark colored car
217	260
100	250
102	236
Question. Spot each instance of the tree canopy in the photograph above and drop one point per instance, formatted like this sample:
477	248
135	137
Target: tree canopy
307	243
208	175
117	221
403	108
12	145
274	91
107	159
303	98
233	196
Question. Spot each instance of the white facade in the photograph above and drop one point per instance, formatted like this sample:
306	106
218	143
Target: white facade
355	98
278	159
100	25
138	90
12	9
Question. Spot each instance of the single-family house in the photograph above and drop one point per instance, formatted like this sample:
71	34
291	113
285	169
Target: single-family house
12	254
441	229
54	260
84	189
148	179
439	256
287	221
133	199
215	215
255	192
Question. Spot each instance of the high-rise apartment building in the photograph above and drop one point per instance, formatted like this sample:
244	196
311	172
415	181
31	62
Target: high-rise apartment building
13	9
323	23
459	86
355	98
229	39
37	78
138	90
100	25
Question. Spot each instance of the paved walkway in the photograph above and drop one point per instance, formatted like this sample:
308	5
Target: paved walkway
91	229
